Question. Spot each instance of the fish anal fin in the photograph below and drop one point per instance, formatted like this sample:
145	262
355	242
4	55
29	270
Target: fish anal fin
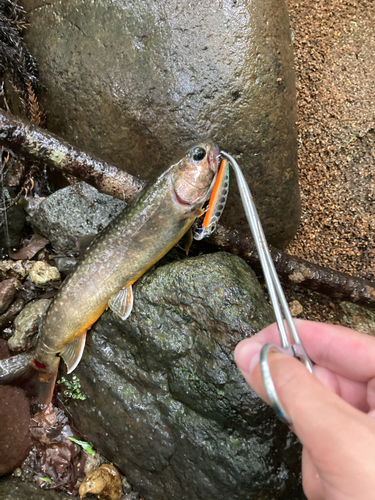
72	352
122	303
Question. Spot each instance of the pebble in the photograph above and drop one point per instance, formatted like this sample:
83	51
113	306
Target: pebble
104	482
11	269
296	308
42	273
8	290
27	324
12	312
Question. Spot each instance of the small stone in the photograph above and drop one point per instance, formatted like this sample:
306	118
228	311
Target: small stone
296	308
126	486
27	324
7	293
104	482
93	462
11	269
296	277
17	472
65	265
12	312
42	273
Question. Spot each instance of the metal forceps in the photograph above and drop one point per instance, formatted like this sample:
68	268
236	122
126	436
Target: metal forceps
278	300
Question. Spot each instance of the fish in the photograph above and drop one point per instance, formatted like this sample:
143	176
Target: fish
133	242
216	204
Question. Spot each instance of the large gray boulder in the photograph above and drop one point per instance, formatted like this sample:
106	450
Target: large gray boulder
164	399
137	82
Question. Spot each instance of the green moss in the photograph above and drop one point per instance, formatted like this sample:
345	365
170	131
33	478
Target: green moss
73	388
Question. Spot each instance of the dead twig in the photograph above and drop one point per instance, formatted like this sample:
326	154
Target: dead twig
42	147
291	269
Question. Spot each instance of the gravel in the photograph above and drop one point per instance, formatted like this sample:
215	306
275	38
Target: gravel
335	70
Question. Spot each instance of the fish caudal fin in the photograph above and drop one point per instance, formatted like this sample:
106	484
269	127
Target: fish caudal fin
21	370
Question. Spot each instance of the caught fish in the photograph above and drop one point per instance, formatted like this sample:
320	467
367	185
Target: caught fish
216	204
136	239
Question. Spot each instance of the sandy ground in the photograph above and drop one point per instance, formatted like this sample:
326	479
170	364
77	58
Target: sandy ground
334	45
335	73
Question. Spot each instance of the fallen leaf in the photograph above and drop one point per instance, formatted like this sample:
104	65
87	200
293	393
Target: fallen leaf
35	244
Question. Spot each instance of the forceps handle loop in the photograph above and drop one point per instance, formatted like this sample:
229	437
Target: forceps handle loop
268	382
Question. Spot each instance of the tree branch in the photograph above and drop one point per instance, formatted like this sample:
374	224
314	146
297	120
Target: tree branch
42	147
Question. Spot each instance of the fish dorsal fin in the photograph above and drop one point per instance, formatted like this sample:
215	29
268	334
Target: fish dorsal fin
72	352
122	303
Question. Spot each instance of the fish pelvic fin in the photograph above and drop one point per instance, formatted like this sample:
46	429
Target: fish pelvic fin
72	352
122	303
21	370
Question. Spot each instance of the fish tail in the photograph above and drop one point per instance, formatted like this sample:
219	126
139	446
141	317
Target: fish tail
21	370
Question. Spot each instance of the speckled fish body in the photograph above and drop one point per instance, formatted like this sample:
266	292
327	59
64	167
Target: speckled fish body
121	253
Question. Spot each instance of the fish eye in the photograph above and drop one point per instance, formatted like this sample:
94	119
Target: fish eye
197	153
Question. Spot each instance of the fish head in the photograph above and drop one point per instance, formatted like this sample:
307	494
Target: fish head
195	176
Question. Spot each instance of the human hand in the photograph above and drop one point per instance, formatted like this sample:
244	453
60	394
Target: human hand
333	412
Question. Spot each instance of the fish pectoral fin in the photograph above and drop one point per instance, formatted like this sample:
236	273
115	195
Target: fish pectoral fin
72	352
188	240
122	303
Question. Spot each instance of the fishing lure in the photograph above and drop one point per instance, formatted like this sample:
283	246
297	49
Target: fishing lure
216	204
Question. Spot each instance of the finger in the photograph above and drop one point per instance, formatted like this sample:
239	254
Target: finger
342	350
340	439
355	393
312	484
314	409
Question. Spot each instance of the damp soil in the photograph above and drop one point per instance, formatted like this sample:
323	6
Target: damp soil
334	48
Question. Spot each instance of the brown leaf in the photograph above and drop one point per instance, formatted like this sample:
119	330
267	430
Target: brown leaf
36	243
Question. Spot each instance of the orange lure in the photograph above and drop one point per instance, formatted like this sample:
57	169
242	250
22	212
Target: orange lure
216	204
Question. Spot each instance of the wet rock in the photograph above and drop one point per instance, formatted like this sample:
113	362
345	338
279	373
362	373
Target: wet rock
93	462
15	308
359	318
11	269
73	213
15	489
26	325
4	349
65	265
8	290
14	429
164	399
11	221
42	273
126	486
137	82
